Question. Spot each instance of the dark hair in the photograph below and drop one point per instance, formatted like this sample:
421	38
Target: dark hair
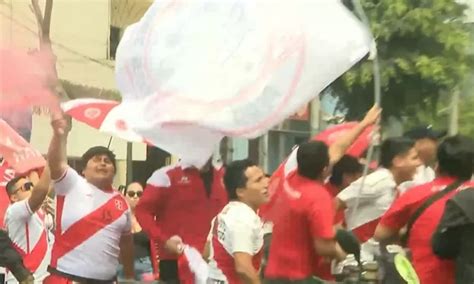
98	150
312	158
392	147
125	187
235	178
10	187
346	165
456	157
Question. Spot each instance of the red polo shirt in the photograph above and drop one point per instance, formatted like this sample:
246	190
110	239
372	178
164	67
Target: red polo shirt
175	202
428	266
306	213
339	215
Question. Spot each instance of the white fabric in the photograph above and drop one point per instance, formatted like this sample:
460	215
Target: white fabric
375	198
197	265
239	229
19	219
291	163
193	72
423	175
96	257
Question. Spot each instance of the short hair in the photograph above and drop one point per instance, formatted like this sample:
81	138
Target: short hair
235	177
392	147
346	165
312	157
10	187
456	157
98	150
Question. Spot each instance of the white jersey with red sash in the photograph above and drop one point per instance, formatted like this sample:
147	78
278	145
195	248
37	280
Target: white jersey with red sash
89	225
31	238
237	228
372	200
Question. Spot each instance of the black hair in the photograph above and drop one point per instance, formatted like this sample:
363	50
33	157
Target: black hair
124	188
346	165
312	158
10	187
456	157
98	150
392	147
235	177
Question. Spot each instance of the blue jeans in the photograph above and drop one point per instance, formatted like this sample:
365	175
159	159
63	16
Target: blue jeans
142	266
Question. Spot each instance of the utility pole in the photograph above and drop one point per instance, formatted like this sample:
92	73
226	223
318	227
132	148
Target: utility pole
129	162
315	116
454	115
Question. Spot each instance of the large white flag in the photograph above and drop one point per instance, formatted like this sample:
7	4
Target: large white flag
191	72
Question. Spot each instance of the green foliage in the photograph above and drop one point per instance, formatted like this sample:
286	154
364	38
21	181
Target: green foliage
423	49
441	117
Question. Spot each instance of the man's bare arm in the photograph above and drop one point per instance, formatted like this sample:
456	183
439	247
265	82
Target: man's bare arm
127	255
339	148
245	269
40	191
57	156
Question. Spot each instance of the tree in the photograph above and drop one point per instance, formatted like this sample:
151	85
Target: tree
423	51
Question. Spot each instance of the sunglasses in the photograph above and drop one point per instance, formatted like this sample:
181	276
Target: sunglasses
27	186
134	193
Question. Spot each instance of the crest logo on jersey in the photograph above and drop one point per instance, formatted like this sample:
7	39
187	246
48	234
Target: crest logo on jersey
119	205
184	180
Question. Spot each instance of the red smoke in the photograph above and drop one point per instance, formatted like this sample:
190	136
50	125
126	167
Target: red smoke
27	80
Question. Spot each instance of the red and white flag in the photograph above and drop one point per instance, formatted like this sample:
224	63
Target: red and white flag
17	152
191	72
6	174
330	135
99	114
192	267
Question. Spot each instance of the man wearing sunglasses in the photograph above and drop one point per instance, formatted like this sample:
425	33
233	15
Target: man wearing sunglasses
25	223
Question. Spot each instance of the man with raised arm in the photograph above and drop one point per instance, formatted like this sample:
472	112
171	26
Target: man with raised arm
93	221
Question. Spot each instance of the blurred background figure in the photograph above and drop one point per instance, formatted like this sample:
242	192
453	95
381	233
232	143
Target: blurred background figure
143	263
426	144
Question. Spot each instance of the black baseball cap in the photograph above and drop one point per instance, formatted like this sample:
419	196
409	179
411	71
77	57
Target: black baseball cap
425	131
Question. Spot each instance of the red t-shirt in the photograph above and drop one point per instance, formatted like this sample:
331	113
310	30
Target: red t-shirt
323	267
428	266
306	213
333	191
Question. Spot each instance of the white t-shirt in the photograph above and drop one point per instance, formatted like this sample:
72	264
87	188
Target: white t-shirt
89	225
375	198
31	238
237	228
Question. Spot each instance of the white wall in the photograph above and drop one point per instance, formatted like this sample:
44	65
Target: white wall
79	34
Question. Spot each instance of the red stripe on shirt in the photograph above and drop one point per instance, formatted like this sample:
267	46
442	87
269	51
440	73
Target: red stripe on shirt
85	228
366	231
32	259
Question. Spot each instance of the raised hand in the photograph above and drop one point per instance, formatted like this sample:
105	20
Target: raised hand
372	116
61	124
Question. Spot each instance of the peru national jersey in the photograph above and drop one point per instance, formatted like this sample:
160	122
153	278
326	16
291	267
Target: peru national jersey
89	225
30	237
237	228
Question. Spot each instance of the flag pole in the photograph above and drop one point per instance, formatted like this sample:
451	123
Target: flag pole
377	96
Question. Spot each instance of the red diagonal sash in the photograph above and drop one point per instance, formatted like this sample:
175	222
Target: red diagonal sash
86	227
33	259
